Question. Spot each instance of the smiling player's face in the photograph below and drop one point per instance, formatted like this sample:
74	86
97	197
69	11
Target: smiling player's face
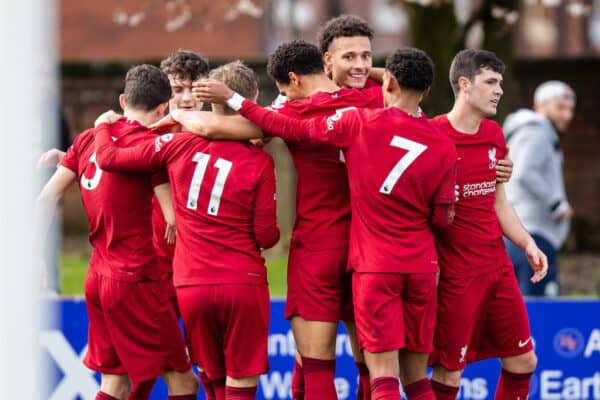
349	61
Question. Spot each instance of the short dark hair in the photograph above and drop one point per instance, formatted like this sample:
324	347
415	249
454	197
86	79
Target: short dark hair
469	63
297	56
342	26
412	68
185	65
146	87
238	77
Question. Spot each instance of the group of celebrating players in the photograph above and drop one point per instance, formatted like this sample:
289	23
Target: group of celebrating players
398	231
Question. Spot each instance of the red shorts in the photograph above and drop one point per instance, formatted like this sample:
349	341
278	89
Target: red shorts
394	311
319	285
480	317
132	329
226	328
169	290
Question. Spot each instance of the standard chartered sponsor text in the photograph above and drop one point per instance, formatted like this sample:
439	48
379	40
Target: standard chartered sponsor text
478	189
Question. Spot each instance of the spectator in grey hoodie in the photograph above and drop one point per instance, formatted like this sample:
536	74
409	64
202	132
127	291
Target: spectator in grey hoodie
537	189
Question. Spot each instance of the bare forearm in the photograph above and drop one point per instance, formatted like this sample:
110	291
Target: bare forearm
215	126
509	221
45	206
163	195
376	74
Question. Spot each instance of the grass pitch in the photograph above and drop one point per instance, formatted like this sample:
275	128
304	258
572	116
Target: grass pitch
72	269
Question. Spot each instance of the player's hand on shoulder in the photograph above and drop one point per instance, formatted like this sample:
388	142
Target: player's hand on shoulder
108	117
261	142
201	123
166	124
537	260
211	91
504	169
50	159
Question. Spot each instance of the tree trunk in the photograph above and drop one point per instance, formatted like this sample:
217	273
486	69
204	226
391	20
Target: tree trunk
435	30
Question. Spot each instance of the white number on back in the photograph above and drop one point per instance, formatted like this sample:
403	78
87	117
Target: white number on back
224	166
414	150
91	184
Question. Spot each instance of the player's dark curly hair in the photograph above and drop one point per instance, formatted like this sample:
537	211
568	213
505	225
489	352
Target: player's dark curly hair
342	26
185	65
146	87
297	56
412	68
469	63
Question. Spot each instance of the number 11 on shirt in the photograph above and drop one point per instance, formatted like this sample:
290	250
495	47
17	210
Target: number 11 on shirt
202	160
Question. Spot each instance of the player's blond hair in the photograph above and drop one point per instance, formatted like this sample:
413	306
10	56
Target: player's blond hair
238	77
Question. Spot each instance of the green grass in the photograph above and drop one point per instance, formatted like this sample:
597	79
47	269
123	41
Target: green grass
72	271
73	268
277	276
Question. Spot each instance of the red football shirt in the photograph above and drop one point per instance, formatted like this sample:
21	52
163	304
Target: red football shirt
224	197
473	243
399	168
118	207
322	192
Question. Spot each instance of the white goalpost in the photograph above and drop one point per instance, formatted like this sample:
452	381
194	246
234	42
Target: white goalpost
28	105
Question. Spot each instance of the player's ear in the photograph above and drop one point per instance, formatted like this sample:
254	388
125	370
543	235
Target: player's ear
390	84
122	101
464	84
161	109
294	79
328	63
425	93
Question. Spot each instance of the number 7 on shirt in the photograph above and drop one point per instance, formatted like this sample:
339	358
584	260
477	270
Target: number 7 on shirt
414	151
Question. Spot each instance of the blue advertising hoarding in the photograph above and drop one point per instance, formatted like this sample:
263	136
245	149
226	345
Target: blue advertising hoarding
566	334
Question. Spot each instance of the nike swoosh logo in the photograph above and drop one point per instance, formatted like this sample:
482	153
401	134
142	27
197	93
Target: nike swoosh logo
523	344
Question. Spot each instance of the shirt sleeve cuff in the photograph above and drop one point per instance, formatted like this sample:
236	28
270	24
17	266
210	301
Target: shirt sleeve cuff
235	102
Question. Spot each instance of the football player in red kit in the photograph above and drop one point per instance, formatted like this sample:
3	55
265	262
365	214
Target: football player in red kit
133	330
481	313
319	292
183	68
224	195
401	174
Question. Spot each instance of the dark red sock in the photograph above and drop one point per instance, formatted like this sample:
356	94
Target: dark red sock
182	397
218	386
235	393
513	386
103	396
209	391
297	382
444	392
142	390
364	382
419	390
385	388
318	379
